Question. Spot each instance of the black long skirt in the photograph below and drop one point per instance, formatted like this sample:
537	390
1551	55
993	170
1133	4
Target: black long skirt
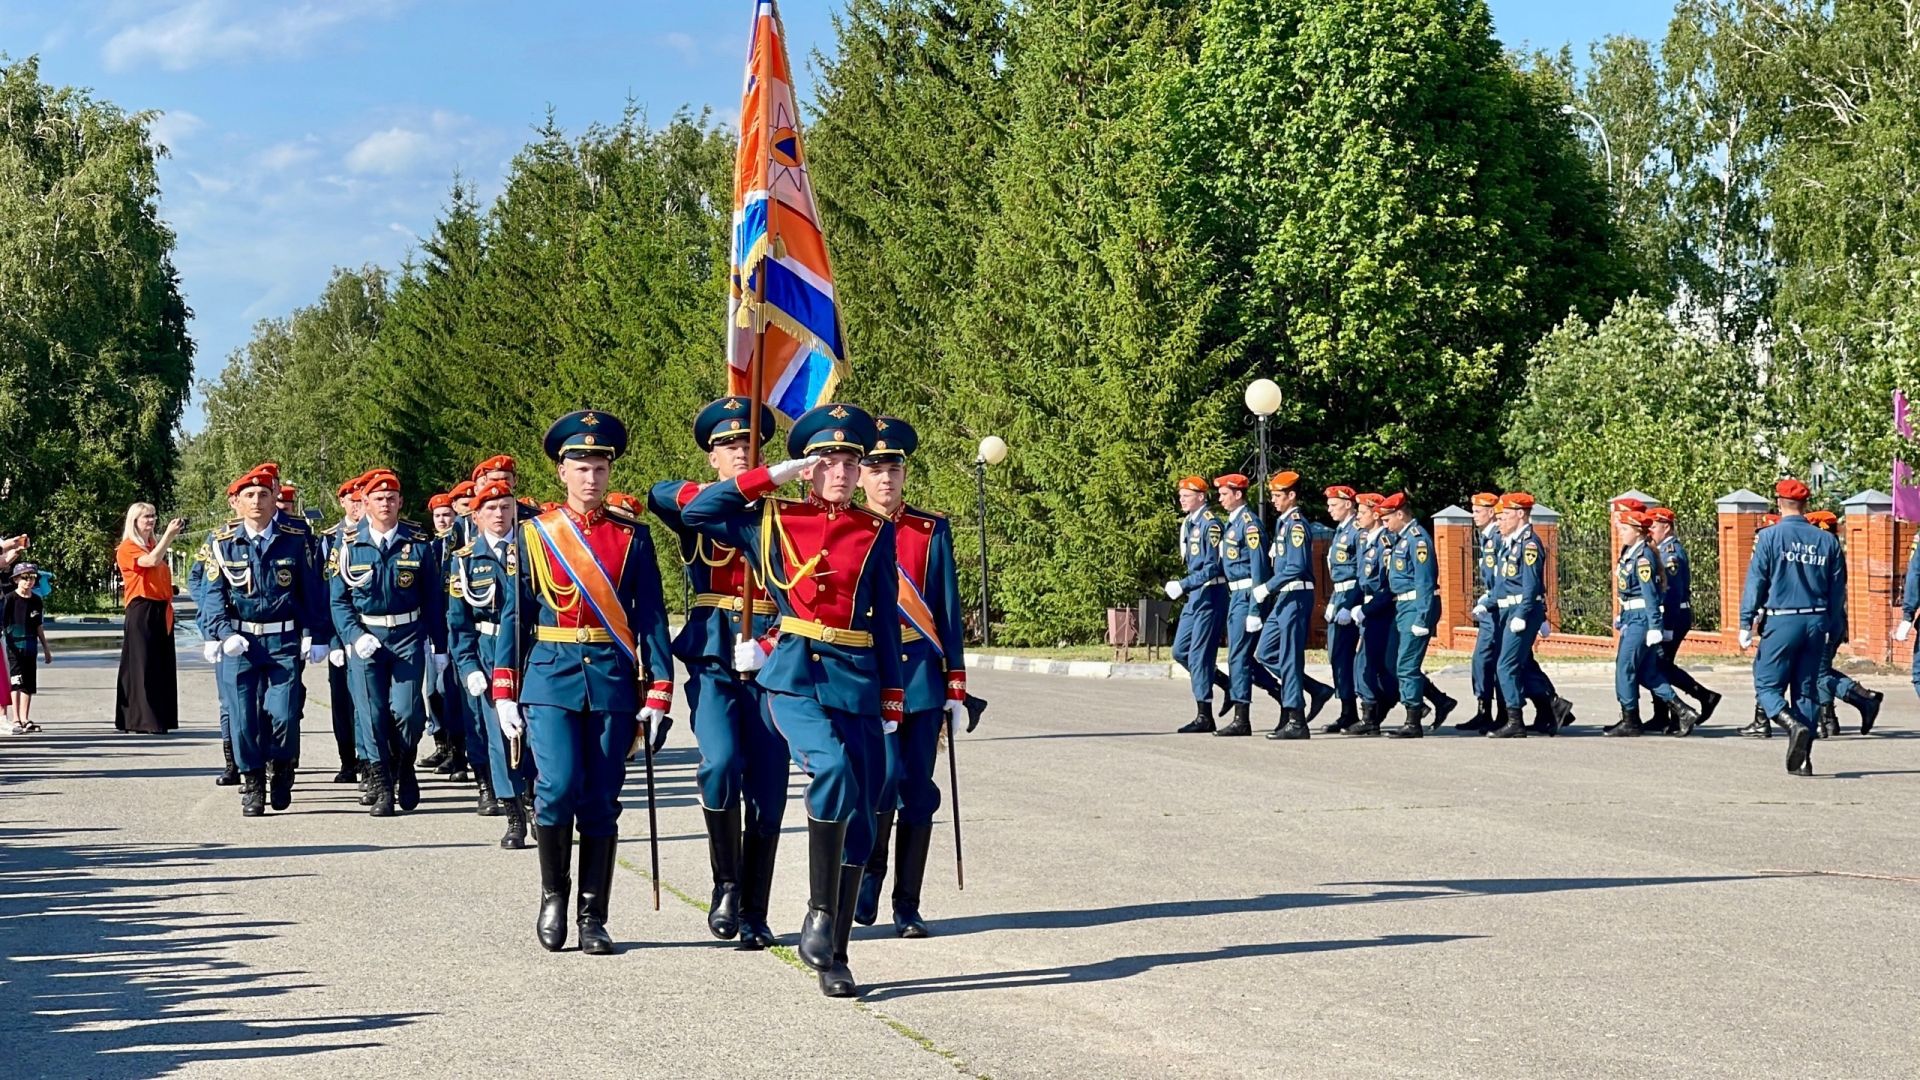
149	697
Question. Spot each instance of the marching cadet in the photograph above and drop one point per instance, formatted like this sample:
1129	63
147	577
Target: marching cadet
743	761
1243	561
1413	579
1677	611
1835	686
1793	593
444	717
1761	726
1283	640
389	606
479	575
1373	666
1196	641
210	651
588	625
501	468
261	597
1640	587
441	513
1343	572
1486	636
1519	599
353	757
933	668
833	679
462	494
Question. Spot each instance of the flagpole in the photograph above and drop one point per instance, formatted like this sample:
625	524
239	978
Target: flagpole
757	366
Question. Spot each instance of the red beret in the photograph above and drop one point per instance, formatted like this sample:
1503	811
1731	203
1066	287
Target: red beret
380	480
288	492
462	490
500	462
1662	513
1791	489
266	475
620	500
1485	498
1636	518
1284	481
1194	483
1231	480
440	500
1516	500
1769	519
1339	491
1369	499
1825	519
1395	501
1631	505
489	490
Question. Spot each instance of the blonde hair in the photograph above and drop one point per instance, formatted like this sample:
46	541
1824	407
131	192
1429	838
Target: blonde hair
131	530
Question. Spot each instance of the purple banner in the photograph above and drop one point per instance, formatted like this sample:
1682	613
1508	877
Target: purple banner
1906	493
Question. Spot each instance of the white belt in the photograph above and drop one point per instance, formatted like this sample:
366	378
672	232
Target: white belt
1240	586
1213	581
1342	586
1633	605
258	628
1794	611
488	628
1294	586
1413	595
1685	605
1510	601
391	620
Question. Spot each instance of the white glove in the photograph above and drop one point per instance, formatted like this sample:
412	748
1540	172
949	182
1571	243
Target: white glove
235	645
1343	617
1260	593
957	715
439	664
211	652
1174	590
747	657
1356	614
1332	613
366	646
316	654
508	713
1485	601
1655	637
1546	630
1905	628
1516	625
476	684
785	472
1746	639
338	658
1254	623
1419	631
650	718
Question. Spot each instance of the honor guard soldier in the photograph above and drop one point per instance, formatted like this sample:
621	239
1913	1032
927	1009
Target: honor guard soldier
1343	574
1196	641
1677	612
479	576
1413	579
1640	589
933	667
588	627
1486	628
743	760
262	596
1243	561
1519	599
1793	591
1283	638
833	679
1835	686
389	607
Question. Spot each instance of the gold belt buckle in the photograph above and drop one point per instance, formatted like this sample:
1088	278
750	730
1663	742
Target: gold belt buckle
734	602
582	635
827	634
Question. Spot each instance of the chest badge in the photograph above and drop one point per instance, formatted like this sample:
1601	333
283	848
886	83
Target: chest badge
284	577
405	579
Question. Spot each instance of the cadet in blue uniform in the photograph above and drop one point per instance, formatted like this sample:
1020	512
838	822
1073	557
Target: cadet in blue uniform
1413	580
1343	573
743	760
1486	636
1834	685
456	740
1677	610
261	596
833	680
1519	599
933	667
1283	640
588	627
1371	612
339	695
1793	588
389	607
1640	587
210	651
1196	642
479	575
1243	561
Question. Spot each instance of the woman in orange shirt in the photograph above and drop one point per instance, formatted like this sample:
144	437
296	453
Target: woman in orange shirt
148	700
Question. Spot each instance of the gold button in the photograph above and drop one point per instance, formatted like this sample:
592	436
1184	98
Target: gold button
586	659
816	657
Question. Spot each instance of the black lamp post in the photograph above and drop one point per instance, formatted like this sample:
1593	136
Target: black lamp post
1263	400
993	451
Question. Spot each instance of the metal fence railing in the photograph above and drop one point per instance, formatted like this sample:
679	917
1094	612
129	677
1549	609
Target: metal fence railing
1703	560
1583	568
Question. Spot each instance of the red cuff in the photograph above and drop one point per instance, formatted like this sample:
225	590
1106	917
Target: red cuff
767	643
893	704
957	685
660	695
757	483
506	684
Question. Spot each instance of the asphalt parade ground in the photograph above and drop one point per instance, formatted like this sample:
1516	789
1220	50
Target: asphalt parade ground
1138	904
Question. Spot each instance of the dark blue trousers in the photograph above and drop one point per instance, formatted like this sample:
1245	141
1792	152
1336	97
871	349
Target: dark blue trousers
581	761
740	756
508	781
1486	654
1196	642
1637	664
1283	646
257	693
1787	668
388	710
911	754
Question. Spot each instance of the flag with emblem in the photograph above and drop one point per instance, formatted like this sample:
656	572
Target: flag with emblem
782	283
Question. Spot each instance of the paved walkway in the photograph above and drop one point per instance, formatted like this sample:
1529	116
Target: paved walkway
1139	904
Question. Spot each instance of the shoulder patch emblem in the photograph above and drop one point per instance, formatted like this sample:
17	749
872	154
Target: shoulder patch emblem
1533	556
1646	571
1420	553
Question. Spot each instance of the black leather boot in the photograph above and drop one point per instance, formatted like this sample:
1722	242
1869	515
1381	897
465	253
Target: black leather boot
1562	712
1662	720
910	871
1225	687
1369	723
1412	728
825	841
723	854
757	857
1318	694
487	805
381	789
253	793
556	859
458	768
230	775
1443	707
1240	726
516	835
1512	724
867	908
1546	718
596	884
1202	721
1629	725
836	979
1829	722
1709	701
1682	718
1868	702
349	772
1760	727
280	784
406	785
1482	718
366	782
442	749
1799	744
1349	716
1293	728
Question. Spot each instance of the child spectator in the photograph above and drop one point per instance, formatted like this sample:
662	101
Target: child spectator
23	619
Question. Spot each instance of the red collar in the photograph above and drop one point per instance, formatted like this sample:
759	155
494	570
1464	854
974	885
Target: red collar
831	508
587	520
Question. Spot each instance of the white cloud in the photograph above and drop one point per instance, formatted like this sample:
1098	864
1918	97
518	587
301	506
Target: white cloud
684	44
394	150
283	156
219	185
171	128
199	32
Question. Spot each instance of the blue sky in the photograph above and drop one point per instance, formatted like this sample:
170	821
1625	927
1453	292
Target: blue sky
309	134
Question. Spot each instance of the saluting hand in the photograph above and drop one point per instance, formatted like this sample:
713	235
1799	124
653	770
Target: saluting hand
786	471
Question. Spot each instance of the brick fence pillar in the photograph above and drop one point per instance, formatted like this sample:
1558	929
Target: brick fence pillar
1322	586
1459	577
1546	525
1739	513
1875	567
